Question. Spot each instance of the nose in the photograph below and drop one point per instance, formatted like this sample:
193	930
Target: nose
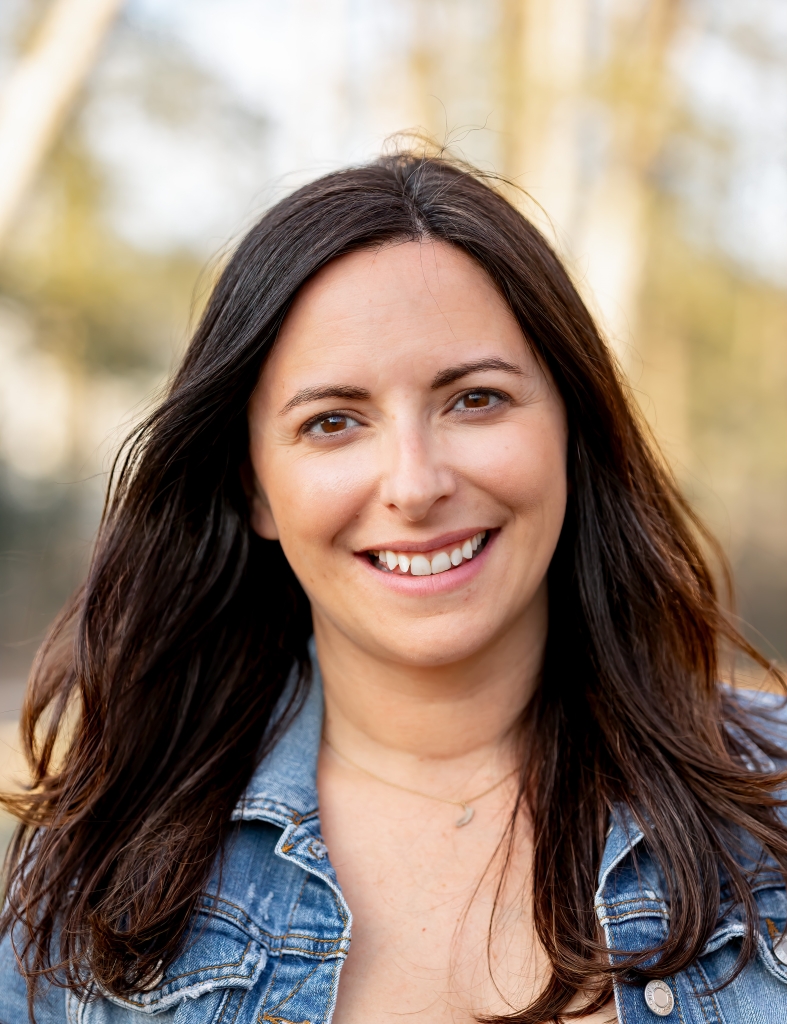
414	476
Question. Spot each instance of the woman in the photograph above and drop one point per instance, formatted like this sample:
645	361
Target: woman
504	763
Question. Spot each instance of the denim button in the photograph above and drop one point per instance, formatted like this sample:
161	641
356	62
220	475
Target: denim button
659	997
780	949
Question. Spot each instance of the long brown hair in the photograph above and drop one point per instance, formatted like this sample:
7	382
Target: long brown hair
173	655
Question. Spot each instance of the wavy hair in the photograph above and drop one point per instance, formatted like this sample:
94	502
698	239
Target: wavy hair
150	702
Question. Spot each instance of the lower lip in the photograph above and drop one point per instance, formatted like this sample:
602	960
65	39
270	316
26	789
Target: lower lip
441	583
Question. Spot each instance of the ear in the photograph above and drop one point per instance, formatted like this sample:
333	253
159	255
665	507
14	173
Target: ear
260	514
261	517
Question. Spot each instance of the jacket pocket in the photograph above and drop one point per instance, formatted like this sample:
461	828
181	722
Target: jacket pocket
224	951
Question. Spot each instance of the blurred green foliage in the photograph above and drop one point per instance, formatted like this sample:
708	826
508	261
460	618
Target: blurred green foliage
706	348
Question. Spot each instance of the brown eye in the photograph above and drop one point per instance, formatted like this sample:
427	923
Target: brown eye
477	400
333	423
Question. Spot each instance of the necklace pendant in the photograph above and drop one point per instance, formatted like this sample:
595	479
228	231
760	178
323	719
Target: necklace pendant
466	818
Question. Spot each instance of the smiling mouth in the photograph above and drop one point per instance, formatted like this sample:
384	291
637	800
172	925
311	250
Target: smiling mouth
404	563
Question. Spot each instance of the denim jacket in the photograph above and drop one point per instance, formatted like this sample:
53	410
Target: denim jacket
272	934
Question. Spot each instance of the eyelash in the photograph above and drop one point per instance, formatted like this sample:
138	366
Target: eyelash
501	397
306	429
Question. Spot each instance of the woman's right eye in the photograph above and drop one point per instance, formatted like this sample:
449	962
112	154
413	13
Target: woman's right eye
333	423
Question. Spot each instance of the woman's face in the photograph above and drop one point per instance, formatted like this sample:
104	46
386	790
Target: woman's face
409	454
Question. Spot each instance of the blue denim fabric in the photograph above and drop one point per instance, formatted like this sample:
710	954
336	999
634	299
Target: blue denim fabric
269	941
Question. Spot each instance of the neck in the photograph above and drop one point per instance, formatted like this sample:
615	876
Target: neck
435	722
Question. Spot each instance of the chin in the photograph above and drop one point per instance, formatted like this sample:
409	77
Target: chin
432	647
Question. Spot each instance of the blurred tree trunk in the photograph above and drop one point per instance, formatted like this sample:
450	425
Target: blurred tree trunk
587	107
39	93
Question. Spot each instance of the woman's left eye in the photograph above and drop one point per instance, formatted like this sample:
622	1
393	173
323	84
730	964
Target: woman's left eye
333	423
477	400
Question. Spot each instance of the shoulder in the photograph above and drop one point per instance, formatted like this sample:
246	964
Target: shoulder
247	911
50	1006
760	701
766	713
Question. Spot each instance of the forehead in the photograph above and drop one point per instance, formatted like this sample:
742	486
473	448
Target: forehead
403	307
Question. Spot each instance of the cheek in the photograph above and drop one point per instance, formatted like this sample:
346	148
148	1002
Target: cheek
313	498
524	468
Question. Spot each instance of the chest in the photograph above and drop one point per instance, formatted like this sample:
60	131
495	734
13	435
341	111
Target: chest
273	949
441	932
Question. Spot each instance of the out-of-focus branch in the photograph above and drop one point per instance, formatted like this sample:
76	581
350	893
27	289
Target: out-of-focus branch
38	94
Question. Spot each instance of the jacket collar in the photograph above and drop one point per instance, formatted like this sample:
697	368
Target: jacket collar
283	789
623	835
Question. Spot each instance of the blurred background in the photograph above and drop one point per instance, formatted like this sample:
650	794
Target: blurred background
139	138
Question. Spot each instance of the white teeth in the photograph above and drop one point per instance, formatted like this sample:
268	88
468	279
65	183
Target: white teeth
441	562
420	566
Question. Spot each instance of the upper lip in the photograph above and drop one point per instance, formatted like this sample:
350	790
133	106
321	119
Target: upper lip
445	540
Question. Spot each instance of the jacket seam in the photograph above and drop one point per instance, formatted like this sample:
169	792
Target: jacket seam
631	899
284	811
297	951
213	967
267	1016
142	1005
635	915
224	1004
337	967
219	911
280	1020
277	965
674	987
241	1001
700	970
621	1002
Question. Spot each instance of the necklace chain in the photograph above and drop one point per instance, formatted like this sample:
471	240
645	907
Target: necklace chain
466	805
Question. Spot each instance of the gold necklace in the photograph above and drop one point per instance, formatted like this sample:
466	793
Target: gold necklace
467	810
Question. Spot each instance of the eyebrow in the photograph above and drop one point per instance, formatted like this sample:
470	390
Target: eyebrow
326	391
453	373
440	380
